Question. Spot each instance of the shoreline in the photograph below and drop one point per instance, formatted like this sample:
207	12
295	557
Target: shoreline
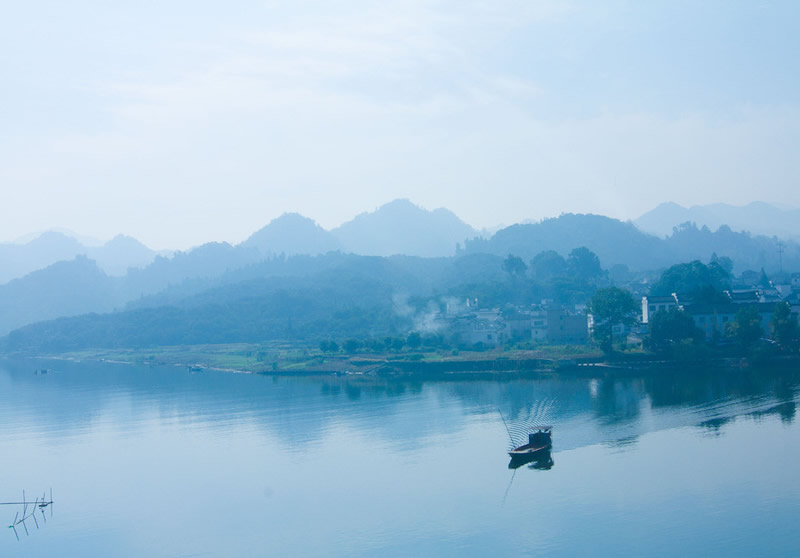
243	359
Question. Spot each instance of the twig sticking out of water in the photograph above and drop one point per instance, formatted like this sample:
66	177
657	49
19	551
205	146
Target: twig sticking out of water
37	504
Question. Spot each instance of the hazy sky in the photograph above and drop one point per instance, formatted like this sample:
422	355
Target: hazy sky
179	122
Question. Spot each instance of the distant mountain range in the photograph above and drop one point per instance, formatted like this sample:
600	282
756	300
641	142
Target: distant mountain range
440	253
398	227
401	227
757	218
114	257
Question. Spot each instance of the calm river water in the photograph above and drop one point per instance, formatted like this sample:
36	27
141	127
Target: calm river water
149	461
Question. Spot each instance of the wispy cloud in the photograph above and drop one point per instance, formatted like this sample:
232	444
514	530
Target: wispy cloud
214	121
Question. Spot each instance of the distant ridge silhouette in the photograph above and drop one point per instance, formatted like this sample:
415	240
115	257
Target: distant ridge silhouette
291	233
114	257
401	227
756	217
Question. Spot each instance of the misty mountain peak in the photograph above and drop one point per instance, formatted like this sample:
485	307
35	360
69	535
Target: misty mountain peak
293	219
667	206
121	253
402	227
292	233
124	241
54	240
399	205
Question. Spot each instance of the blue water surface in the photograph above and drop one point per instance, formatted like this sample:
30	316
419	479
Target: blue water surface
163	461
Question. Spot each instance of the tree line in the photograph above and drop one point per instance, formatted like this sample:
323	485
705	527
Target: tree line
675	334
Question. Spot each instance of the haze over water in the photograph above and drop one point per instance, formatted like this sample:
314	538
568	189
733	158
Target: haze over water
149	461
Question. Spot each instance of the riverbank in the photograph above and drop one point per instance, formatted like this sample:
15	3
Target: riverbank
285	359
289	360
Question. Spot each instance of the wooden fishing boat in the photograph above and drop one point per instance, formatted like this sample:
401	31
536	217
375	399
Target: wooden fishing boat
540	440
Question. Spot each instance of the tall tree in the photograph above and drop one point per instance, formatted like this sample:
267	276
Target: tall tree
784	328
514	266
547	265
585	264
724	262
611	306
746	326
704	283
672	327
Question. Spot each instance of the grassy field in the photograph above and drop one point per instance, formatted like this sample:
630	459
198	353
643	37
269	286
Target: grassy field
287	359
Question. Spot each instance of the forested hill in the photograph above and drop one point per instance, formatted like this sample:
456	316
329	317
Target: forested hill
308	299
617	242
62	289
757	217
357	296
263	310
613	241
688	242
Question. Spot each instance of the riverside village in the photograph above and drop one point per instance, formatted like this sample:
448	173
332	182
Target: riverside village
473	325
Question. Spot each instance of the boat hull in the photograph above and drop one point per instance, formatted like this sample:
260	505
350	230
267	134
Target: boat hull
540	459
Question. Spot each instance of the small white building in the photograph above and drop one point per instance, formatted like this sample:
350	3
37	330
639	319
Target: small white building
653	304
471	331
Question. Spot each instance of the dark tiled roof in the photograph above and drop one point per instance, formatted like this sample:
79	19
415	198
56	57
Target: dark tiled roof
743	295
659	299
729	308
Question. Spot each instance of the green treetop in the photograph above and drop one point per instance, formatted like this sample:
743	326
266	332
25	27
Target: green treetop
611	306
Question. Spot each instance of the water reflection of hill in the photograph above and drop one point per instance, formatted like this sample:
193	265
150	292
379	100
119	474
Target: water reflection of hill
401	412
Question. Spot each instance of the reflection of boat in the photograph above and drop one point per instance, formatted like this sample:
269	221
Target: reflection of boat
538	441
541	460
